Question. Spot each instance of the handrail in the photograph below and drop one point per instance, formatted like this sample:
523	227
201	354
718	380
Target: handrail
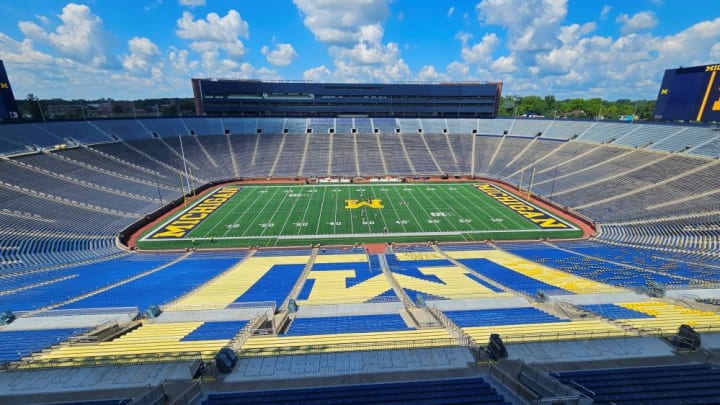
358	346
187	396
114	360
85	311
515	386
235	305
546	336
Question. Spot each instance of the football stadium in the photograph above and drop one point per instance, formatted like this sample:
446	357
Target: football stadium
319	251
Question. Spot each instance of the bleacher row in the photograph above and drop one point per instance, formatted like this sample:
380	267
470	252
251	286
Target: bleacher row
226	279
448	391
667	137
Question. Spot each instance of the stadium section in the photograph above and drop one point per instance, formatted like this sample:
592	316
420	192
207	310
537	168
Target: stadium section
376	291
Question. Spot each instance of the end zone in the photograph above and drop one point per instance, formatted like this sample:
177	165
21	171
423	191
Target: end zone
188	219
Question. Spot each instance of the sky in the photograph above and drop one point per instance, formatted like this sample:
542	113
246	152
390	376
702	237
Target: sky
136	49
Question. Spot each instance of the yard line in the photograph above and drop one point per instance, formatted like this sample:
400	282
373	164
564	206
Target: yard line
335	215
397	214
352	228
279	205
490	210
322	204
439	209
222	221
292	208
247	224
310	202
422	206
382	211
238	205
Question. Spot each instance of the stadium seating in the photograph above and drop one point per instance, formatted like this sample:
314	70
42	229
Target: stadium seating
154	341
673	384
501	316
652	190
343	342
345	324
15	345
448	391
161	286
132	176
35	290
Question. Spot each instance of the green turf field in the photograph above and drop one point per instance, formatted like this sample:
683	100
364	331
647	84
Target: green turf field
283	215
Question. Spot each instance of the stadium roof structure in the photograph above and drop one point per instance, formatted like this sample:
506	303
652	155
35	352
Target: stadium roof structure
627	314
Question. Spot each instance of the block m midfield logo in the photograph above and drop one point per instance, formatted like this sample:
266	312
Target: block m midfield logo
370	203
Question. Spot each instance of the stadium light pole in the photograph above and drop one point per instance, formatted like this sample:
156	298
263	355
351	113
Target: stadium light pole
182	151
42	114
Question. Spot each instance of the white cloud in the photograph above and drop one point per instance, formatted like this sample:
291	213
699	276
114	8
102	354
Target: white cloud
282	55
450	11
638	22
480	52
531	25
715	51
192	3
80	36
22	53
44	20
353	32
143	55
430	74
340	22
605	12
213	28
217	41
317	74
76	61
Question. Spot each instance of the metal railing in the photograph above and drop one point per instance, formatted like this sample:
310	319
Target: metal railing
117	360
712	357
235	305
533	374
85	311
559	336
239	339
512	384
187	396
357	346
150	396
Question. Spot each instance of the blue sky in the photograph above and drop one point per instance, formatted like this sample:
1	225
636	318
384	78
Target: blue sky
151	48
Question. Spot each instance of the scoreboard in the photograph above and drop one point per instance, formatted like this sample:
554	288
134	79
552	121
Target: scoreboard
8	107
690	94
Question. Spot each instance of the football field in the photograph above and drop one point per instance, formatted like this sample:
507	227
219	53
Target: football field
283	215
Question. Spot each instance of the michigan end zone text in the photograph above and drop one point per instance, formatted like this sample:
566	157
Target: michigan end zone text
188	220
532	213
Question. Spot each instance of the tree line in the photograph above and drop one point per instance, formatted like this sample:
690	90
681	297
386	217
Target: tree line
592	108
